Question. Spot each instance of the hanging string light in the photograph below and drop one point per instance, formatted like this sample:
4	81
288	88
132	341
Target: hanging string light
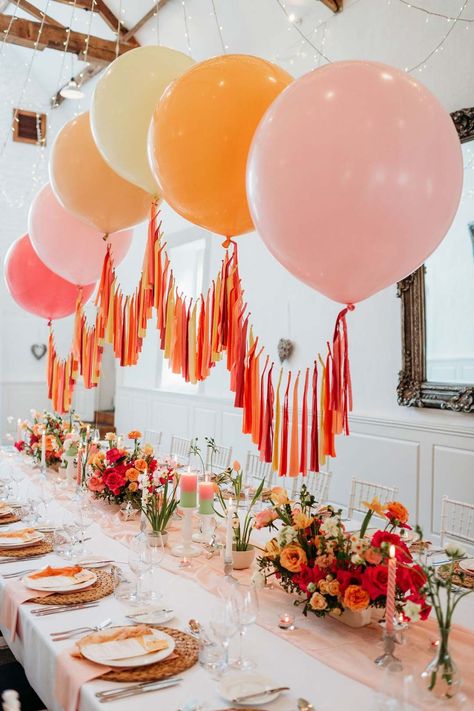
420	66
10	24
432	13
219	27
63	62
186	27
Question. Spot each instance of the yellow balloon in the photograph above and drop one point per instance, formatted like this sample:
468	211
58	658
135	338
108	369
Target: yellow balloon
123	104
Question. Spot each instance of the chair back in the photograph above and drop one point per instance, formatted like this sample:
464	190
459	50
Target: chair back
457	521
220	459
365	491
256	470
180	447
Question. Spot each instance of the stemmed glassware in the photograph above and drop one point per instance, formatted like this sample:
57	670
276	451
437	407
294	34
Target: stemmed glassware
139	561
245	602
83	518
223	625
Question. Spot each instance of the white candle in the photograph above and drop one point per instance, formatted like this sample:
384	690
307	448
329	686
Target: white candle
119	441
18	430
43	450
229	531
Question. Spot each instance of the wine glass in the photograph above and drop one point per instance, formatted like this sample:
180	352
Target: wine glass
83	518
245	602
224	624
139	561
156	553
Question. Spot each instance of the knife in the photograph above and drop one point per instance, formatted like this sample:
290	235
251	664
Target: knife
142	684
135	691
265	692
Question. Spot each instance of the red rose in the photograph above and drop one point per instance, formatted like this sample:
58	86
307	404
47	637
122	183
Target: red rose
114	482
20	445
113	455
152	465
402	553
348	577
306	576
410	578
375	580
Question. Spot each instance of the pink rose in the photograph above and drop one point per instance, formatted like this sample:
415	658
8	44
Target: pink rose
95	483
265	518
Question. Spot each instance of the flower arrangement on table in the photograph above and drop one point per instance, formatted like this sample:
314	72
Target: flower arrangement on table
114	474
55	429
158	496
233	479
333	570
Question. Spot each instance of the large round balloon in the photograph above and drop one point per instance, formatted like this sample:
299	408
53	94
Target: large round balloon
86	185
200	137
69	247
122	106
36	288
354	177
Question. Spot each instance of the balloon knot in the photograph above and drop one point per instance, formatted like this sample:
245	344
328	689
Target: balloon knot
105	237
351	307
227	242
50	323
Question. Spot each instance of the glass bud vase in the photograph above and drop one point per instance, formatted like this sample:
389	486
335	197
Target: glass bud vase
441	676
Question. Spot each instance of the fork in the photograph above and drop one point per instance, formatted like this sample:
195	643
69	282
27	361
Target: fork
66	634
45	612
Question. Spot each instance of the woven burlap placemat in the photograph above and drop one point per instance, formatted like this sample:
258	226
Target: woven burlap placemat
11	518
185	655
44	546
103	586
461	578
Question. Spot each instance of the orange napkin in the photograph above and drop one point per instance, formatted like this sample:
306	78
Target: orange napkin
71	674
111	636
50	572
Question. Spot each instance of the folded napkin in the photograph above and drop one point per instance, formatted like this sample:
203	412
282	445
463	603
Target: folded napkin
22	533
14	594
62	577
71	673
120	643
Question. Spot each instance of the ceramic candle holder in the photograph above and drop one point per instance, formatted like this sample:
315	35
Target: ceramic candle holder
186	549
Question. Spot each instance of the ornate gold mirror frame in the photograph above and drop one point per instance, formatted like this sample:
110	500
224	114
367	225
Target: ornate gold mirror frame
413	388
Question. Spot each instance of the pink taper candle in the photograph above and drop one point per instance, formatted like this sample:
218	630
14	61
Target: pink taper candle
79	466
390	605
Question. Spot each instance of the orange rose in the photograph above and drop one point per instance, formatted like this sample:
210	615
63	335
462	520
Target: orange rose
132	474
272	549
148	450
398	511
293	558
134	434
318	601
279	496
133	486
356	598
301	520
141	465
334	588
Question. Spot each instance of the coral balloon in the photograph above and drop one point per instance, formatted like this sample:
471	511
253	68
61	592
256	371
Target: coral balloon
200	137
69	247
122	106
354	178
86	186
36	288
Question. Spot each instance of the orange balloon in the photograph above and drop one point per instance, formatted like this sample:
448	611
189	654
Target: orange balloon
200	137
86	186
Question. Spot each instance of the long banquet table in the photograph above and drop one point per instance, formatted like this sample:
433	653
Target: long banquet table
291	658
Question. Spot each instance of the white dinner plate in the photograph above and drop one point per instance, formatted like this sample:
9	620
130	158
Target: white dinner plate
467	565
37	585
11	543
94	561
143	659
152	617
234	686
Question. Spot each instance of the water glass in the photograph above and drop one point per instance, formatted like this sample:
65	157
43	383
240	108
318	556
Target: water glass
224	625
245	603
123	587
139	561
212	654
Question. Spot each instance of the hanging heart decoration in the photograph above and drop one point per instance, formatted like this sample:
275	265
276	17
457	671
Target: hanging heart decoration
38	350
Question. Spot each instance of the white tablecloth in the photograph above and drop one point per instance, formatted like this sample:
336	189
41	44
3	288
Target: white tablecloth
276	658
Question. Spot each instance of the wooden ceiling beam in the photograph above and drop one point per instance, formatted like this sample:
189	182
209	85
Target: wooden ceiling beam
36	12
110	19
133	31
25	33
334	5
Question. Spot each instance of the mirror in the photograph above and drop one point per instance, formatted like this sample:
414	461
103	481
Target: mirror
438	307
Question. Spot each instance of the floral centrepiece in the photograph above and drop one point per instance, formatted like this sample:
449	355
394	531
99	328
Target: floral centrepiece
114	474
159	497
55	429
233	480
332	570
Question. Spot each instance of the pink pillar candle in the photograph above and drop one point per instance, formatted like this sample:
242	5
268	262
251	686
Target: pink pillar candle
188	490
390	604
206	497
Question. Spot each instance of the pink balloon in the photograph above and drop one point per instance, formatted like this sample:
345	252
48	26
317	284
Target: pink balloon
71	248
35	287
354	177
